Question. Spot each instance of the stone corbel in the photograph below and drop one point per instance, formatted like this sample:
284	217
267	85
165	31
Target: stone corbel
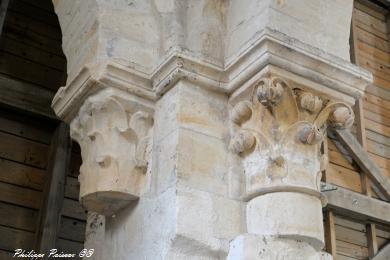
114	133
277	132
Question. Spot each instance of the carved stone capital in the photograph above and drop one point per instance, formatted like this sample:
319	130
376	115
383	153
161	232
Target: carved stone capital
277	132
114	133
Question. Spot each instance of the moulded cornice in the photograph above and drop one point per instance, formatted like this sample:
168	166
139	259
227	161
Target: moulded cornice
268	49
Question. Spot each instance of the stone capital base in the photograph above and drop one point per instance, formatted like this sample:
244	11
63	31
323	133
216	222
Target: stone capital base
257	247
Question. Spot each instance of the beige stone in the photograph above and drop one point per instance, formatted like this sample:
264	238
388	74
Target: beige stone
200	122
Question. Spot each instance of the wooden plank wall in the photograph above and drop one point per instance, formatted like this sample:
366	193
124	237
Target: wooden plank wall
24	150
73	220
32	66
23	160
30	46
371	50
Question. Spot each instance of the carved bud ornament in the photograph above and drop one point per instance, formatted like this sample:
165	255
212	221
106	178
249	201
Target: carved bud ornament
114	134
277	133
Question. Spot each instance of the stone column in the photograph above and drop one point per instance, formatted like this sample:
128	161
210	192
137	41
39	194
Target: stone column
278	128
200	122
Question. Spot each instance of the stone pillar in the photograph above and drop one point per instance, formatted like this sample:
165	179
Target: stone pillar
278	127
200	122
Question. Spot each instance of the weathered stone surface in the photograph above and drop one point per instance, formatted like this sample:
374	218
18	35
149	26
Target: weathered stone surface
240	93
255	247
115	136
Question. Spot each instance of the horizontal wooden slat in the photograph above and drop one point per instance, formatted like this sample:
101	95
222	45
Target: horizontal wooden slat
44	5
362	159
26	96
73	209
343	177
378	149
377	118
344	221
25	127
21	175
377	127
27	23
20	196
23	151
358	206
372	40
29	71
370	11
350	236
380	161
373	22
351	250
34	12
32	38
343	257
12	238
339	159
378	138
378	101
34	54
373	52
18	217
369	28
72	229
378	91
72	188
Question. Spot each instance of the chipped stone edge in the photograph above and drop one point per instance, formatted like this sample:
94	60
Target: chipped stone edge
268	48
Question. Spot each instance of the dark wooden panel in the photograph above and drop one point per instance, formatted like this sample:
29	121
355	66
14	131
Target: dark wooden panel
34	39
12	238
27	127
21	175
22	150
72	188
35	12
29	71
75	163
73	209
20	196
72	229
18	217
351	250
26	96
27	23
30	52
351	236
59	159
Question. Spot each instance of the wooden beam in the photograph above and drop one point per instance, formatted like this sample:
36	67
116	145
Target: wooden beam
330	233
3	13
360	156
383	254
26	97
59	162
372	243
355	205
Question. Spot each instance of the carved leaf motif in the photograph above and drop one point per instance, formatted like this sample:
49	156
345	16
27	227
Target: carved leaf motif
286	112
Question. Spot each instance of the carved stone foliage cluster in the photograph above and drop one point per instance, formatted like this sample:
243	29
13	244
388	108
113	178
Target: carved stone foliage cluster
114	134
277	132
